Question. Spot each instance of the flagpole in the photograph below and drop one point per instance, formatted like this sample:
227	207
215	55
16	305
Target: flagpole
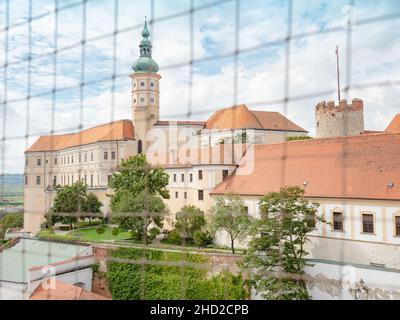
338	71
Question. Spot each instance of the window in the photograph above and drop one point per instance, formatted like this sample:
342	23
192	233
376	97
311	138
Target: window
200	174
338	221
174	177
38	180
85	179
26	180
91	180
185	195
91	156
368	223
26	162
72	179
176	194
142	84
85	157
191	177
152	100
39	162
68	160
55	161
113	155
140	146
54	181
141	99
80	158
201	195
225	174
106	155
109	178
68	179
151	84
183	177
397	225
72	159
134	84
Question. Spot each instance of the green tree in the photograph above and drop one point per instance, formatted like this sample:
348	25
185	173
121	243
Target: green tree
92	206
189	220
100	230
74	202
115	232
10	220
298	138
276	253
230	214
138	193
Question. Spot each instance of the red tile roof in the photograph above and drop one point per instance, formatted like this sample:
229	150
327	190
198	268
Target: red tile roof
118	130
64	291
240	117
394	125
359	167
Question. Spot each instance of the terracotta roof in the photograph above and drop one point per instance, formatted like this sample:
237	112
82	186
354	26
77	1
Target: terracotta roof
359	167
180	123
64	291
118	130
240	117
394	125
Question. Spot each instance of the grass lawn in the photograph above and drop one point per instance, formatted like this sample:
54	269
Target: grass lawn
90	234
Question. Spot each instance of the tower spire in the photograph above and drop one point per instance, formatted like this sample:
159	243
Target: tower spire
145	63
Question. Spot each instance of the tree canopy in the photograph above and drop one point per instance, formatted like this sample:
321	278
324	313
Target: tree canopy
277	244
76	201
189	220
138	193
229	213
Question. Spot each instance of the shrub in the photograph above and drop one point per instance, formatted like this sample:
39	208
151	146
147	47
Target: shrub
100	230
173	237
153	233
203	239
115	231
130	281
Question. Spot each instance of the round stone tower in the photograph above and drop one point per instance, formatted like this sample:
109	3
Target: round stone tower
342	120
145	91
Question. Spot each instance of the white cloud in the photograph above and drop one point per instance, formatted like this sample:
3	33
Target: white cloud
261	74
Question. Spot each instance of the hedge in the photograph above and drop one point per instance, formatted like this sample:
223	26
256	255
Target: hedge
129	281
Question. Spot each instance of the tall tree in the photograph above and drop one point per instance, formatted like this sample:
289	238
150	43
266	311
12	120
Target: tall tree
276	253
189	220
230	214
138	193
73	202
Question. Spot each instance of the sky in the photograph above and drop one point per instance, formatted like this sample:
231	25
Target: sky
257	30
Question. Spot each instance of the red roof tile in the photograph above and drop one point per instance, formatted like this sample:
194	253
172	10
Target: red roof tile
394	125
346	167
64	291
240	117
118	130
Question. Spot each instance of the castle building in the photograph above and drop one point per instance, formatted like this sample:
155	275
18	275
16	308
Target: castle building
93	155
337	121
353	173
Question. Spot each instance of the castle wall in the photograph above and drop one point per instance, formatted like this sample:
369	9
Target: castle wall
342	120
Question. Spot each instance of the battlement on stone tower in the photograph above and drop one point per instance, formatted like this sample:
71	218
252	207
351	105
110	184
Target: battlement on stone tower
330	106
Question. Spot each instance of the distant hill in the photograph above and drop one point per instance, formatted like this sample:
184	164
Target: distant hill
12	180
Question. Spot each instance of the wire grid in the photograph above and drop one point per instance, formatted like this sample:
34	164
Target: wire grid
115	31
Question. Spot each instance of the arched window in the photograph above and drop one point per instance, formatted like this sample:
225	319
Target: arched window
140	147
